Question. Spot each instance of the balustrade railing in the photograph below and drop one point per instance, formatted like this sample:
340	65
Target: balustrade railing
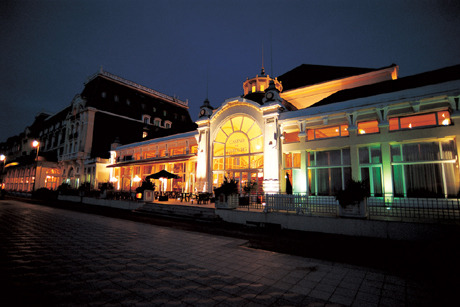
385	207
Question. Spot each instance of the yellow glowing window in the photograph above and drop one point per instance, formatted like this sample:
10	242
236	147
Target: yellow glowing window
328	132
177	151
257	161
288	160
394	123
236	121
247	124
257	144
227	128
218	149
221	137
241	162
237	144
253	89
291	137
193	149
368	127
310	134
444	118
423	120
218	164
292	160
254	132
262	88
417	121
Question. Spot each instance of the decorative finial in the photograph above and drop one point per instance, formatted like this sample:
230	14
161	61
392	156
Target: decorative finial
263	69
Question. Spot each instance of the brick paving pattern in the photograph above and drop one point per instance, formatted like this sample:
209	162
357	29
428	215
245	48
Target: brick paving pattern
55	257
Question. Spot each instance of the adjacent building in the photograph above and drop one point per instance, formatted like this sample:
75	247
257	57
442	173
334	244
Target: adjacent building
74	144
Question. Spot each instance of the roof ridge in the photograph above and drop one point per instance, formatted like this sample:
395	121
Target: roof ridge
137	86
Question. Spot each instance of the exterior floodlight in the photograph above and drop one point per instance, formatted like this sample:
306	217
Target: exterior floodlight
35	144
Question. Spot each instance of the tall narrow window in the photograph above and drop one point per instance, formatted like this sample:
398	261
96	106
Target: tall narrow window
370	164
328	171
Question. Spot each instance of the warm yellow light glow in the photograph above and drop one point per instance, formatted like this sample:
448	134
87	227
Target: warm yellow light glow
361	131
136	178
113	179
138	195
35	144
446	122
262	88
2	157
253	88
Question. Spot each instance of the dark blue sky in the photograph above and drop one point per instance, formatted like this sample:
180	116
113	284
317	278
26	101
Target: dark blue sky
49	48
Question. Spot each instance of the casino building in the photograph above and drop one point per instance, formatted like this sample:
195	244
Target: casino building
320	126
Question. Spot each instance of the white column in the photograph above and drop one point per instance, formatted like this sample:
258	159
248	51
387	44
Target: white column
272	153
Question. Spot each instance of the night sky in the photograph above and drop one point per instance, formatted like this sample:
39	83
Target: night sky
49	48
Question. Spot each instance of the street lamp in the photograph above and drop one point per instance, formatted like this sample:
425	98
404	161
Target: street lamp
3	160
35	144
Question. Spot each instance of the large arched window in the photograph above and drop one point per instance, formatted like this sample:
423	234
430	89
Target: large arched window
238	151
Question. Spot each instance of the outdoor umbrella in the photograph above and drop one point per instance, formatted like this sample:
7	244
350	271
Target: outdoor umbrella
162	174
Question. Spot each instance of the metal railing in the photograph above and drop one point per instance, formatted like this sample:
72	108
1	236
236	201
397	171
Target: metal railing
301	204
420	209
377	208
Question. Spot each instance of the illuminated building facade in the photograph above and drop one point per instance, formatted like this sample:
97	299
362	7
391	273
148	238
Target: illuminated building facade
322	126
75	142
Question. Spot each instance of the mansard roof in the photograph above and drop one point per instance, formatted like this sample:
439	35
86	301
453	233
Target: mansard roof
427	78
308	74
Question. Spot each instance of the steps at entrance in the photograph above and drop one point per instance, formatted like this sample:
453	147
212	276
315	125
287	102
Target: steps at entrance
179	211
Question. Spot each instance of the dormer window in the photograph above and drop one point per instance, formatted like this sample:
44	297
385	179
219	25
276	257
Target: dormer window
103	94
167	124
157	122
115	98
146	119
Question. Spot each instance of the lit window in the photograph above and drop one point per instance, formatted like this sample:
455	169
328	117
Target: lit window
253	89
368	127
328	132
144	134
291	137
423	120
262	88
292	160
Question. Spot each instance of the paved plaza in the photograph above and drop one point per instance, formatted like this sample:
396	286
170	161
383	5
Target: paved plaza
52	257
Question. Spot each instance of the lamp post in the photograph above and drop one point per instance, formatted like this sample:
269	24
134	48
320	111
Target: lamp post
35	144
3	160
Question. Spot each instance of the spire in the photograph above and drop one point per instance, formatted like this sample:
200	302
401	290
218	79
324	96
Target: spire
263	69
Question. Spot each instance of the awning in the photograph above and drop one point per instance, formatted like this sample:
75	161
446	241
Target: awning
154	160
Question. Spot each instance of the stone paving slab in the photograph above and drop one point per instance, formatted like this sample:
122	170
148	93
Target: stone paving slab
54	257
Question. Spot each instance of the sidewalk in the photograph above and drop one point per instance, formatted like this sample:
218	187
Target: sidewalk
51	256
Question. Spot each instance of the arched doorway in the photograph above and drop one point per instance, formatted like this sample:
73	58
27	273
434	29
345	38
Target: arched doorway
238	152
